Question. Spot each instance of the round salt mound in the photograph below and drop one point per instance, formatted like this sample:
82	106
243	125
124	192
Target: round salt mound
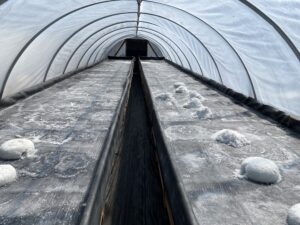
193	103
8	174
231	138
181	90
178	84
260	170
195	94
16	149
203	113
294	215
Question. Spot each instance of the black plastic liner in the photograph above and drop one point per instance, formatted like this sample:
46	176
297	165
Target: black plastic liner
138	197
99	195
266	110
178	205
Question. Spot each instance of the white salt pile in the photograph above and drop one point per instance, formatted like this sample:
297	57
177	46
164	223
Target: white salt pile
195	94
179	84
260	170
8	174
166	98
294	215
16	149
231	138
193	103
181	90
203	113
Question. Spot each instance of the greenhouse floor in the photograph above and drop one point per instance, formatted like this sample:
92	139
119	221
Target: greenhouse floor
69	124
119	144
207	171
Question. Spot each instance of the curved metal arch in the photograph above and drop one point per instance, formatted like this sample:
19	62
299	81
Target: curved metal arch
168	40
32	39
89	59
86	39
153	49
93	45
201	43
245	68
122	37
173	51
284	36
178	46
158	44
73	53
73	34
162	49
2	1
119	49
94	50
153	35
185	44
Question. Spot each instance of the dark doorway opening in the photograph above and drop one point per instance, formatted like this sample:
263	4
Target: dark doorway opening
136	47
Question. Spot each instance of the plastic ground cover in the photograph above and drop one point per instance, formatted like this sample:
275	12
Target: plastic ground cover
68	123
207	171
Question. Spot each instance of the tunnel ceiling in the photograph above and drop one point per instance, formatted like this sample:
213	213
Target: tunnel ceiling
249	46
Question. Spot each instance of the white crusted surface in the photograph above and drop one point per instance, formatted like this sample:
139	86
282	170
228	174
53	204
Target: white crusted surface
178	84
260	170
17	148
195	94
203	113
8	174
193	103
181	90
294	215
166	98
231	138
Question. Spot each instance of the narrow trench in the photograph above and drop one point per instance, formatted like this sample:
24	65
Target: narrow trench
138	197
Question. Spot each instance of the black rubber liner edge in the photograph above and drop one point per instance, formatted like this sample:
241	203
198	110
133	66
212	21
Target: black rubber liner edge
11	100
181	209
266	110
120	57
130	57
94	203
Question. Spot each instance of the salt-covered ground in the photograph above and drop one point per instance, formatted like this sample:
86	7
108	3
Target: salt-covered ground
68	123
208	169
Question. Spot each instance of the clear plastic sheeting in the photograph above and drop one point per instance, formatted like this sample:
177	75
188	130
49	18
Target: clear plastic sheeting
250	46
271	66
286	14
51	39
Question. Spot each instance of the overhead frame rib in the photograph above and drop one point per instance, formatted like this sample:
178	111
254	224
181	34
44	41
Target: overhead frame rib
157	37
284	36
179	48
199	19
28	43
73	34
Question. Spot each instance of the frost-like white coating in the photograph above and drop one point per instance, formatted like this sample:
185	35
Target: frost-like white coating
8	174
195	94
203	113
17	148
293	217
181	90
231	138
193	103
164	97
260	170
178	84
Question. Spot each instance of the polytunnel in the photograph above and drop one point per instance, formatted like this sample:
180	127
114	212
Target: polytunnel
149	112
